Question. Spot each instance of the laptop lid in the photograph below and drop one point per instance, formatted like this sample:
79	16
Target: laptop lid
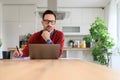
44	51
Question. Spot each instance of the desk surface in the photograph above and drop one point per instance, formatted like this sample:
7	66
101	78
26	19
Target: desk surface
54	70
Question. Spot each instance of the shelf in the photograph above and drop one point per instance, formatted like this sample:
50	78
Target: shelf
74	34
77	49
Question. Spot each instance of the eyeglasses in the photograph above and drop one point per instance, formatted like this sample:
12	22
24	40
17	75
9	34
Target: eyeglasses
51	21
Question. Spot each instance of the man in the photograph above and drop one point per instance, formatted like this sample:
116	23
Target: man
49	35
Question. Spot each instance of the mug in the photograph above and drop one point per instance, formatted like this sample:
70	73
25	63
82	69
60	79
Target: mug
6	54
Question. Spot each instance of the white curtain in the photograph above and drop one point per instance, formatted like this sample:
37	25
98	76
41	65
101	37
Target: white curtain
112	29
118	23
112	20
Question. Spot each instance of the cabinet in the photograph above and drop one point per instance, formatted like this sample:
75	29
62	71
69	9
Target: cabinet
81	17
18	20
78	53
71	30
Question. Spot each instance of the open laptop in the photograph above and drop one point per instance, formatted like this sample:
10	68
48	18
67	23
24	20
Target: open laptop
44	51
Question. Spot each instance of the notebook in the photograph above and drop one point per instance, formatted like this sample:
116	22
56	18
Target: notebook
44	51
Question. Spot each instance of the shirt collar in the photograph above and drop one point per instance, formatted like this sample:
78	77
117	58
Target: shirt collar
52	33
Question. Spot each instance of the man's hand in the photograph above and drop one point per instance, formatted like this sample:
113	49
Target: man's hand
46	35
17	54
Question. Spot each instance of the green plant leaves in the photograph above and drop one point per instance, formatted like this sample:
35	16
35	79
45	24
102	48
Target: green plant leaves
99	33
87	38
27	36
0	43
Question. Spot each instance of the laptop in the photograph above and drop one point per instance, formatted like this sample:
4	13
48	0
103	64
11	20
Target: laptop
44	51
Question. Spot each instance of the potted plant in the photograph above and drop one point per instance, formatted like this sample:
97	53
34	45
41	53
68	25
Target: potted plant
24	41
88	40
27	36
104	42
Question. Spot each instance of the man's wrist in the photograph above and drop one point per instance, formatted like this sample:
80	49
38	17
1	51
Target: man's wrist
20	55
49	41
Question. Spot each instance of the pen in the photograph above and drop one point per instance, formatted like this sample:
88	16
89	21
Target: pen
17	49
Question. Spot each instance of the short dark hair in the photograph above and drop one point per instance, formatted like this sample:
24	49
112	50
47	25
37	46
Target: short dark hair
48	12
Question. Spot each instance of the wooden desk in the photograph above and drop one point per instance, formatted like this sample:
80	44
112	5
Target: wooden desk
54	70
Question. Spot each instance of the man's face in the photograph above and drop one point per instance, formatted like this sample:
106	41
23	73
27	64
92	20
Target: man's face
49	22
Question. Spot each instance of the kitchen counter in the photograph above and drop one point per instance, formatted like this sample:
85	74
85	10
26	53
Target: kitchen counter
77	53
54	70
65	48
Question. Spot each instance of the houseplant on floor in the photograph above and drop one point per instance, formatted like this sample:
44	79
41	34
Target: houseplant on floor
104	42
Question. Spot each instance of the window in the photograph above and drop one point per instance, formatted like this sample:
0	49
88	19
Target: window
118	23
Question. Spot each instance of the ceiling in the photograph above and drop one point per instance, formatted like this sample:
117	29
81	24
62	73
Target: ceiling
69	3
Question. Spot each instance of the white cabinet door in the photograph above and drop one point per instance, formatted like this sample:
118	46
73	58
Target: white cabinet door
11	34
18	20
11	13
27	13
27	19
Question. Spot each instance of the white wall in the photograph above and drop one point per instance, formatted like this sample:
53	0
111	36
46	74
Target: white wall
1	22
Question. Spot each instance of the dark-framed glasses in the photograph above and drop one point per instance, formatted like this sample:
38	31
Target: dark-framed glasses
49	21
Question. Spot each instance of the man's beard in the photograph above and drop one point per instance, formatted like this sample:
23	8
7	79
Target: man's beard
49	28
